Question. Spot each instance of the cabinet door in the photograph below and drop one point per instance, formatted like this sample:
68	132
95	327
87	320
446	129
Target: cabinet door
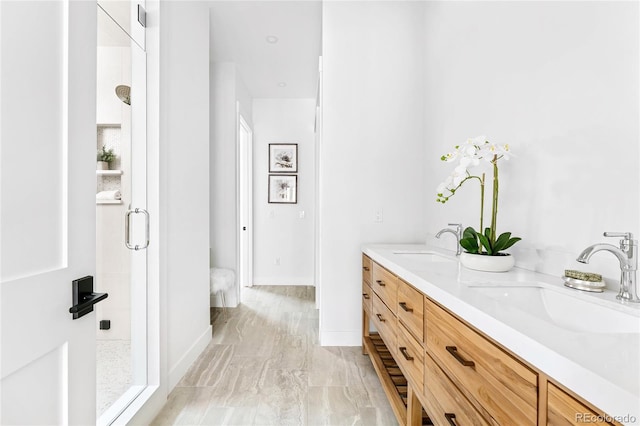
410	357
411	310
366	269
385	285
444	402
564	410
385	322
497	384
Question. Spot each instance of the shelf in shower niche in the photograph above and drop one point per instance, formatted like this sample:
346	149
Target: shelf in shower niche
108	201
108	172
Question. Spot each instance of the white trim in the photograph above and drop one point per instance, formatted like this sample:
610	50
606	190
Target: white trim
340	338
292	281
144	408
180	368
241	198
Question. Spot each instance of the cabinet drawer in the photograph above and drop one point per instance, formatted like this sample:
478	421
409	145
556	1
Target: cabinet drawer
367	297
410	357
563	410
366	268
385	323
444	402
410	310
385	285
498	385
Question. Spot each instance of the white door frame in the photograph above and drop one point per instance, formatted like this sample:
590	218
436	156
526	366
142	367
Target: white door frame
245	201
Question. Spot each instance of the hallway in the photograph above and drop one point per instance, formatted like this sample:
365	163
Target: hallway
264	366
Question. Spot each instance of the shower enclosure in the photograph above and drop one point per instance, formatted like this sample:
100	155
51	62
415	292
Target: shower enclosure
121	220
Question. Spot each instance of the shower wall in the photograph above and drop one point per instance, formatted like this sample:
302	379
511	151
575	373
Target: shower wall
113	264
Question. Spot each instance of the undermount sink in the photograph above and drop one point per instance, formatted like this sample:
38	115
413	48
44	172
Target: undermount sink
564	309
423	256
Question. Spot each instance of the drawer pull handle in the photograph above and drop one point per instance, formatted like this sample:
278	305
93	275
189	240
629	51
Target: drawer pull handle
450	418
366	296
380	318
405	354
403	305
366	268
453	350
380	283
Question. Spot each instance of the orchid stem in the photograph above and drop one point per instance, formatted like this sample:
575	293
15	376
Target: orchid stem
494	207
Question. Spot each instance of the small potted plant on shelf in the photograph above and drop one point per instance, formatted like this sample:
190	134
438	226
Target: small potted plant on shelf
105	157
483	247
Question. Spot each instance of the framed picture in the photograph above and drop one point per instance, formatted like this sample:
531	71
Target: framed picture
283	158
283	189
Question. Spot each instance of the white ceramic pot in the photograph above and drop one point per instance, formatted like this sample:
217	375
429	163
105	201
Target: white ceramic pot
486	263
102	165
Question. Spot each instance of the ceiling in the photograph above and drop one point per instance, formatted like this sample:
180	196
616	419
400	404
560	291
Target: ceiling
239	31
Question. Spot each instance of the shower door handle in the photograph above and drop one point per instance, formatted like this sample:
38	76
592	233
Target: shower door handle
127	229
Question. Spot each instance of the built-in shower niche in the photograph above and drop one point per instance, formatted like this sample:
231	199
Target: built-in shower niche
110	136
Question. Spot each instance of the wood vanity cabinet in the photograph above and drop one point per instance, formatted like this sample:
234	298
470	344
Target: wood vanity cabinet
431	362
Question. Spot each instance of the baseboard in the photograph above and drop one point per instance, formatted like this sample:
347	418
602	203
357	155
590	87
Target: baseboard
295	281
180	368
340	338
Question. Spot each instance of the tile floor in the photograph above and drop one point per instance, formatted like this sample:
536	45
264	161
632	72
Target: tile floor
264	366
113	372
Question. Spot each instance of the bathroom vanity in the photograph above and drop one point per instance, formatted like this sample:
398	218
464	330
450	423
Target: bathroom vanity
473	348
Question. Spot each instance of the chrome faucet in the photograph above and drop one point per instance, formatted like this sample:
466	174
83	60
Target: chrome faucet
457	232
627	254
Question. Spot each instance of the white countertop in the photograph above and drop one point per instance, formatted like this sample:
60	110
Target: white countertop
602	367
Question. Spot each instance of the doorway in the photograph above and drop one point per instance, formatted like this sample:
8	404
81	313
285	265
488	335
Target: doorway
245	202
121	218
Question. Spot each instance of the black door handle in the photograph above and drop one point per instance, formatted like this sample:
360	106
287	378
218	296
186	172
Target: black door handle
83	296
244	228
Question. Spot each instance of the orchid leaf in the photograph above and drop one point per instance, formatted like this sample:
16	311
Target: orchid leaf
485	242
501	242
470	245
511	242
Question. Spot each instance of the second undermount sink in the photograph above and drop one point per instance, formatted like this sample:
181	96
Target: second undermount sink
562	308
423	256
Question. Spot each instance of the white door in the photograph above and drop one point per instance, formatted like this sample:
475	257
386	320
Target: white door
47	223
245	187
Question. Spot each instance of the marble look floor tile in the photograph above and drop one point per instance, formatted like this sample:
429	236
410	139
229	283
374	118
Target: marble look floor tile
231	416
264	366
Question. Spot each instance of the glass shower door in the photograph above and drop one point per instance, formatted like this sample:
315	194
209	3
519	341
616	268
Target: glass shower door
121	228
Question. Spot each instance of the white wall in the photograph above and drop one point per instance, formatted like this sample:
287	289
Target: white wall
559	83
372	150
279	230
223	165
184	180
227	89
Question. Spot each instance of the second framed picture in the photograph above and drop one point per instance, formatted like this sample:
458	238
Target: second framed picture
283	189
283	158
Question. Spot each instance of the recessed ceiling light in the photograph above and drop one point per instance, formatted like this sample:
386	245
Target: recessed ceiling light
272	39
282	84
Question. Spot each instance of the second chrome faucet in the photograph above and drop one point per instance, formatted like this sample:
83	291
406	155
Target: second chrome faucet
627	255
457	231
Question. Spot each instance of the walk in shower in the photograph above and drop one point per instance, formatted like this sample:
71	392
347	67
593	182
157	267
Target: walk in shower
120	196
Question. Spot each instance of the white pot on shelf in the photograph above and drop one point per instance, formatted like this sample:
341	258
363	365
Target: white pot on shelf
486	263
102	165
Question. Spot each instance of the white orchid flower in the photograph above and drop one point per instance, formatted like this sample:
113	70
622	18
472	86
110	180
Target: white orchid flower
468	162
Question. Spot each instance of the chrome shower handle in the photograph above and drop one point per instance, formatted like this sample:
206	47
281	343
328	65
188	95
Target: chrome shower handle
127	229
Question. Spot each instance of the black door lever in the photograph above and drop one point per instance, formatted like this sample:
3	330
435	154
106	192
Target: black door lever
83	297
